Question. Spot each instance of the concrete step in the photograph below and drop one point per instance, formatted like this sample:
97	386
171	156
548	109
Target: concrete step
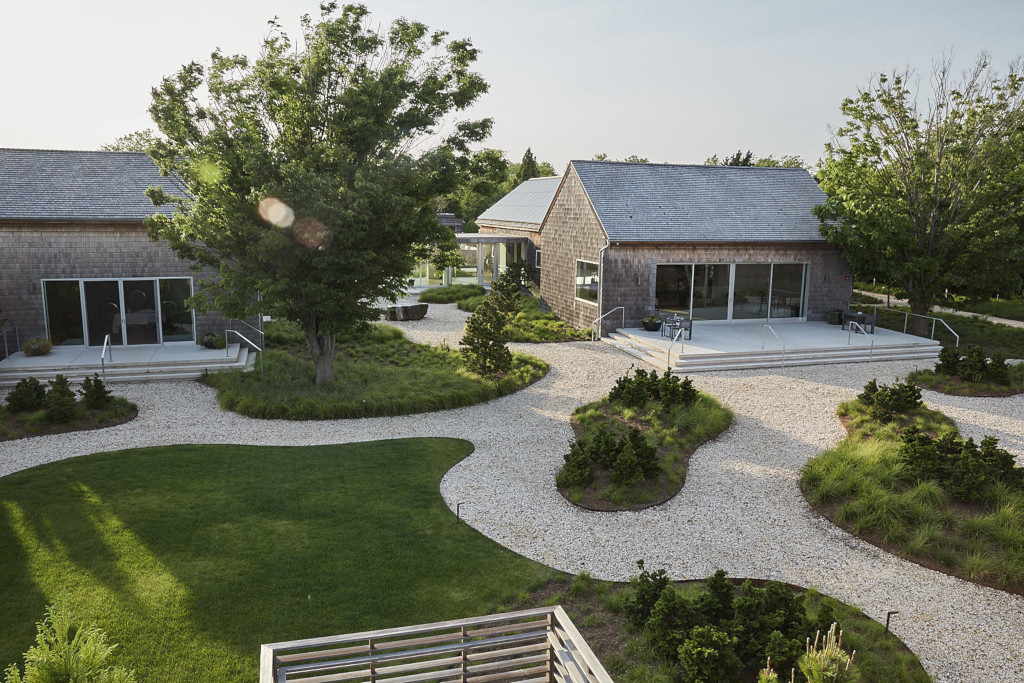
236	358
657	355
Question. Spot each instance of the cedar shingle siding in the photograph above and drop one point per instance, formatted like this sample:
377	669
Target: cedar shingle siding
770	222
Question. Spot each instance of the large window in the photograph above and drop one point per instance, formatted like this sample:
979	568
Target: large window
723	291
128	311
586	281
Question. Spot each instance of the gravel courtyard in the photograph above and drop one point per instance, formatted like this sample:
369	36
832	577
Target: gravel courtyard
740	510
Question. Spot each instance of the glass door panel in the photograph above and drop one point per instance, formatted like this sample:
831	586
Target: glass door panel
64	312
672	289
750	298
140	311
787	290
465	274
175	316
711	292
103	311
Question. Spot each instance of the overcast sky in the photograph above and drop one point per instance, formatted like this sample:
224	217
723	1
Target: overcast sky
671	81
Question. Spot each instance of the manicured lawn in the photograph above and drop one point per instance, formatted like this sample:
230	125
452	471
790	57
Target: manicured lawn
860	485
191	556
377	373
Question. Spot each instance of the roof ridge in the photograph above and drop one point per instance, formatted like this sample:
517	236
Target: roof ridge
70	151
674	165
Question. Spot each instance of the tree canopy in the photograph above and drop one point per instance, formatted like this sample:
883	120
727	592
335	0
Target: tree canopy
632	158
748	159
139	141
926	190
484	178
312	172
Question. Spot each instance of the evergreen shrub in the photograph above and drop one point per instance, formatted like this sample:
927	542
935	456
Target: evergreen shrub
485	342
95	394
885	402
60	400
26	396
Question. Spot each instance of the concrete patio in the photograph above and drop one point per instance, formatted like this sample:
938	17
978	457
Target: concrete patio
172	360
731	345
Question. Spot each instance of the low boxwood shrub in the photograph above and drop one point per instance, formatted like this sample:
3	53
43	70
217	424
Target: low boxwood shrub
966	471
27	395
37	346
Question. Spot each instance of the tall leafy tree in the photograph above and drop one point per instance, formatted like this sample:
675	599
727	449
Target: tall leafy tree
632	158
312	172
139	141
927	190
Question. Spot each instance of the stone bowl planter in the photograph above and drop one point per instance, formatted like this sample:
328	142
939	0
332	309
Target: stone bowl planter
651	325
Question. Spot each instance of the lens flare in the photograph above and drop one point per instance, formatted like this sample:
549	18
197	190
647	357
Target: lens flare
312	234
276	212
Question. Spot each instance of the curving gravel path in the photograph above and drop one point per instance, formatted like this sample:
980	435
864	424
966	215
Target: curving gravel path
741	508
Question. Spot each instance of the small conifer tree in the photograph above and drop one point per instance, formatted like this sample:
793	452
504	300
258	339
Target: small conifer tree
60	400
507	293
485	343
95	394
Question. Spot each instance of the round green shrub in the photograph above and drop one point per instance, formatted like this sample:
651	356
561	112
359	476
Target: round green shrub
28	395
37	346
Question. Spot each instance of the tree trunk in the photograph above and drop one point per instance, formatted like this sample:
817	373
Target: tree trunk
920	326
321	348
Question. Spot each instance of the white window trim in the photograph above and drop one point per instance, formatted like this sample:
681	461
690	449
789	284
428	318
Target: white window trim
536	259
574	276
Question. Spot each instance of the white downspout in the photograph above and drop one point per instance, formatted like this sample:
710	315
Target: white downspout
600	284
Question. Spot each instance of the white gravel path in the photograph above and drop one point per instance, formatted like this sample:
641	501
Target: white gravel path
741	508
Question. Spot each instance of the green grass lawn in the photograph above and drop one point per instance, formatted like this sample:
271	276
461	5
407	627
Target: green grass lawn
376	373
191	556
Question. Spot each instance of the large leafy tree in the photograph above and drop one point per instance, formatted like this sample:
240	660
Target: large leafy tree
312	172
927	191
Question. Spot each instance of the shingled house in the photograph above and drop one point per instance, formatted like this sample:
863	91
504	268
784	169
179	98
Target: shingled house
722	243
520	213
76	264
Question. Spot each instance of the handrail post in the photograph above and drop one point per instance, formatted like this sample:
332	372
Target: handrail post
682	347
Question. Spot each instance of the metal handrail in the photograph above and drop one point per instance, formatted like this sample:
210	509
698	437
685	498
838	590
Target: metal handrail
593	330
253	328
682	346
849	336
906	320
17	339
227	351
107	347
764	336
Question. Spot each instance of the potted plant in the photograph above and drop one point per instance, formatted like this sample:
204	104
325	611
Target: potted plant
37	346
651	323
835	317
209	340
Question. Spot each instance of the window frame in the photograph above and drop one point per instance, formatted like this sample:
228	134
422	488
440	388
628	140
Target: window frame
597	281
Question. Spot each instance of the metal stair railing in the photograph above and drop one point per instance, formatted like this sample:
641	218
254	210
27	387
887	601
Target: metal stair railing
764	337
593	326
108	348
849	336
227	351
17	339
906	319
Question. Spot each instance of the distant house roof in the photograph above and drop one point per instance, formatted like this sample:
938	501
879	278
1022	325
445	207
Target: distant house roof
675	203
452	221
525	206
59	185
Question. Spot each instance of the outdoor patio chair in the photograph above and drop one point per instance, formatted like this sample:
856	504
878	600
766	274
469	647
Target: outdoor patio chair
866	321
673	323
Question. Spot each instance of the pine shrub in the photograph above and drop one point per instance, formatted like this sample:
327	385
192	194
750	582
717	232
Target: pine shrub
647	589
949	361
578	470
604	447
507	292
673	616
967	472
60	400
26	396
485	342
67	651
642	387
709	655
885	402
95	394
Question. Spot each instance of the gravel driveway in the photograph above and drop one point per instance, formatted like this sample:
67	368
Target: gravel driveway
740	510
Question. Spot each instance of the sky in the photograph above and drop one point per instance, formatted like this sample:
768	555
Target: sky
670	81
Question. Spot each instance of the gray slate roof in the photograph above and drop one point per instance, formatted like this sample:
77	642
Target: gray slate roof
58	185
674	203
525	206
